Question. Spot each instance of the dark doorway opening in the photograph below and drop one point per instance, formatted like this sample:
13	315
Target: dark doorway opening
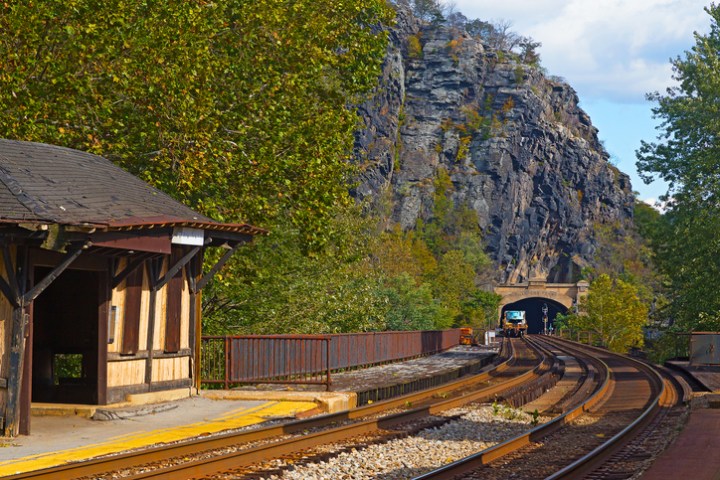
65	338
533	308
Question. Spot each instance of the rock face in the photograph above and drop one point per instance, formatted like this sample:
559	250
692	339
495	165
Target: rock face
519	151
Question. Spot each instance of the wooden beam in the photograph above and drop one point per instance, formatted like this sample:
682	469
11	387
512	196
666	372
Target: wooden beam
11	296
172	271
154	267
131	266
206	278
192	272
12	276
155	241
39	287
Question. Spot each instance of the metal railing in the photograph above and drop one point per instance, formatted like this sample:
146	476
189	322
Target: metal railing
248	359
310	359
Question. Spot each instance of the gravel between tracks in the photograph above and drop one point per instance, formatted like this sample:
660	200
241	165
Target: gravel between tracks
479	427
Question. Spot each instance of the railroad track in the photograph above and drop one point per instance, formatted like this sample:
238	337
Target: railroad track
618	400
206	456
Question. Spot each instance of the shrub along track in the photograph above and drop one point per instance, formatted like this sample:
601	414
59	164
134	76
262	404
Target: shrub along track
206	456
629	403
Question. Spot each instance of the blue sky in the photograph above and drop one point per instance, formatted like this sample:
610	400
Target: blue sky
612	52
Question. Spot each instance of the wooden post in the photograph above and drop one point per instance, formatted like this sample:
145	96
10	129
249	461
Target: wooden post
191	271
16	279
17	354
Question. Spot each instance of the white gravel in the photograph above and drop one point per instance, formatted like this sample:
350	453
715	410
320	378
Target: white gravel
478	428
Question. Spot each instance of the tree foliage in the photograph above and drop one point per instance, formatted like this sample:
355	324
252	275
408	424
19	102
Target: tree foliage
686	154
612	310
624	253
500	36
236	108
411	306
275	288
243	110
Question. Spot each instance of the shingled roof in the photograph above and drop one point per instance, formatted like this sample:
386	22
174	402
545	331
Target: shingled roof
42	183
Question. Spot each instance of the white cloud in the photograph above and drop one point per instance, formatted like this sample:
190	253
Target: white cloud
658	205
614	49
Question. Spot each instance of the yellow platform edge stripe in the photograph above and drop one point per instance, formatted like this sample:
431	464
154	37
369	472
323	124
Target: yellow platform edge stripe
237	418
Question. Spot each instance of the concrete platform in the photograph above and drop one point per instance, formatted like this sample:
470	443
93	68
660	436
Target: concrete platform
60	439
707	375
694	453
68	433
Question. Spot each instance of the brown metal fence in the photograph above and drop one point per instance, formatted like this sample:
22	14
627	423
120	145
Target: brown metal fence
310	359
265	359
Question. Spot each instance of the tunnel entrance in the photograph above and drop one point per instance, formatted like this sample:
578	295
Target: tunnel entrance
533	308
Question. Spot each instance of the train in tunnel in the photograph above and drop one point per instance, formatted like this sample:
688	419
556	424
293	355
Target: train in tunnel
539	315
514	324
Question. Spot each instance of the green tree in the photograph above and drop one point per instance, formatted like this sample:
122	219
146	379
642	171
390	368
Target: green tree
454	283
243	110
687	251
275	288
612	310
687	156
622	252
428	10
480	309
237	108
411	307
398	252
646	219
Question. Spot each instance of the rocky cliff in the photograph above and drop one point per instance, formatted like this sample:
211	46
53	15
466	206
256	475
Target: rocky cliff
519	150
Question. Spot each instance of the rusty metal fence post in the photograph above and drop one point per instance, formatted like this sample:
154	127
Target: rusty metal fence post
327	363
227	363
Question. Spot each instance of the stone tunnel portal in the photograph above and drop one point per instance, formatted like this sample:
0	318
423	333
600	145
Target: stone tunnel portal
533	308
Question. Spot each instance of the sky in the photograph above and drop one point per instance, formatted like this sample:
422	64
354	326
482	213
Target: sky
612	52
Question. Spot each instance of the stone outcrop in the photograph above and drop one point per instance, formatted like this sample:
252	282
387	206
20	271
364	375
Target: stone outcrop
519	150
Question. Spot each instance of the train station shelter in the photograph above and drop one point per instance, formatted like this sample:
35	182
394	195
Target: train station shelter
100	276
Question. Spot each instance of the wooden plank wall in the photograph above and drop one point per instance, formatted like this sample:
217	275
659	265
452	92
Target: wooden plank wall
128	370
167	369
124	373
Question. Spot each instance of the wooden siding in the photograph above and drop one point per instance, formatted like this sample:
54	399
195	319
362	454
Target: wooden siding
128	370
131	372
185	319
117	300
144	311
132	312
167	369
173	310
160	309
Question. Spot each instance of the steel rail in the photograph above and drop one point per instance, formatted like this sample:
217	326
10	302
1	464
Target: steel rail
588	462
486	456
194	446
262	453
599	455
